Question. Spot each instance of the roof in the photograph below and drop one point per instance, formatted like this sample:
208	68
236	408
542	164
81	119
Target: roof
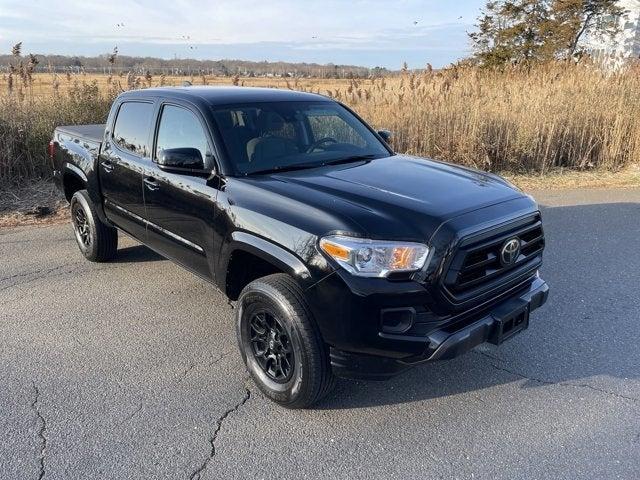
228	95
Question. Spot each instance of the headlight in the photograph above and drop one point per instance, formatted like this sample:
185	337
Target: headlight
372	258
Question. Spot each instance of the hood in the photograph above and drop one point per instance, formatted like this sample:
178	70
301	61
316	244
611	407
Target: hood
398	197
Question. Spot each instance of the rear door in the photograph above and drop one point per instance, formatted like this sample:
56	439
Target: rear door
181	208
124	152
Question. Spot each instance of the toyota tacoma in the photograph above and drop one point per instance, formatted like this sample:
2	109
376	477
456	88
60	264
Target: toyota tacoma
345	258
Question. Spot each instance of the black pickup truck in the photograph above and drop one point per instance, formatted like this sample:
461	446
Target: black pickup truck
345	258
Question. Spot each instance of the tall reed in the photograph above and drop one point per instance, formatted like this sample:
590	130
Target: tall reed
516	120
27	123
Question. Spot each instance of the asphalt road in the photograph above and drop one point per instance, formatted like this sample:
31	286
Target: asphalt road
130	370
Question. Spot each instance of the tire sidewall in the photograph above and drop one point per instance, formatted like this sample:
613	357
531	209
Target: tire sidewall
80	201
258	297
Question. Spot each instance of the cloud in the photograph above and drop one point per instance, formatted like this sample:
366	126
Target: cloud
306	27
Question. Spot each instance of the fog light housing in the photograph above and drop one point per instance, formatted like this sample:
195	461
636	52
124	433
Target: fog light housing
397	320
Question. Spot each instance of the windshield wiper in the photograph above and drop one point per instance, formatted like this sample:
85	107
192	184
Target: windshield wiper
285	168
303	166
350	159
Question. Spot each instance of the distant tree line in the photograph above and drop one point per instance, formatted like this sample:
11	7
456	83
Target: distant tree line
114	63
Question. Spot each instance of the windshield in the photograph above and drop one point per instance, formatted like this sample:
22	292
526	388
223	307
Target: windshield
277	136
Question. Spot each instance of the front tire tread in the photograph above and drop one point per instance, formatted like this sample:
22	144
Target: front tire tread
320	377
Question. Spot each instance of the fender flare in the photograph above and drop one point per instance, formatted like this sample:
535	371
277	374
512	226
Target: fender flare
71	173
72	170
76	171
270	252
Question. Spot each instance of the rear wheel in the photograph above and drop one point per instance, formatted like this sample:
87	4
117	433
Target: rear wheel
280	342
97	242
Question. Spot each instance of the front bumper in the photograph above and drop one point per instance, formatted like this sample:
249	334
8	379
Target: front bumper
447	342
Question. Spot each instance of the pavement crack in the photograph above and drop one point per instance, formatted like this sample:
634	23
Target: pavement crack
193	365
42	432
562	384
186	371
17	242
197	474
43	271
75	267
219	357
129	417
38	274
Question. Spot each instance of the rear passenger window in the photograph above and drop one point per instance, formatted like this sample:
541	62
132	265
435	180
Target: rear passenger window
131	130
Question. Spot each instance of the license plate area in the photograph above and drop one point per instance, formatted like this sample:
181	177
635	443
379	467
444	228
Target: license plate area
508	324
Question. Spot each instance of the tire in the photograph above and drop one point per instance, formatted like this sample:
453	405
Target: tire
97	242
280	302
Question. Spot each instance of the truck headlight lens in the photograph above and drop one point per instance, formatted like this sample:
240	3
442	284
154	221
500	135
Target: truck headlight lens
373	258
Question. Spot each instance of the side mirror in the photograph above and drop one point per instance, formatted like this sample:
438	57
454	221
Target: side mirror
385	134
181	159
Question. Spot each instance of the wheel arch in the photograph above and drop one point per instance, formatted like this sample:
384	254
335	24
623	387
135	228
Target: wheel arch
250	257
73	179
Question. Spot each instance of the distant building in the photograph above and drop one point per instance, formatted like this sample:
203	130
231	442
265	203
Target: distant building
622	48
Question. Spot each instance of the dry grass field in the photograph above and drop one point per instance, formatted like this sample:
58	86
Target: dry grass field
42	84
527	121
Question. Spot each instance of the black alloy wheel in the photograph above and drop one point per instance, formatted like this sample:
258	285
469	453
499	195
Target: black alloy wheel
271	346
96	240
81	225
281	344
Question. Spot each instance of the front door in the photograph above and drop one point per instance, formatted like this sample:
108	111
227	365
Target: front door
124	152
180	208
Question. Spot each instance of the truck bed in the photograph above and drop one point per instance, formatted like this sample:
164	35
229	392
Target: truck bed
92	133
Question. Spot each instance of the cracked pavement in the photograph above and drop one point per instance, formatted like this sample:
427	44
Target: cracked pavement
130	370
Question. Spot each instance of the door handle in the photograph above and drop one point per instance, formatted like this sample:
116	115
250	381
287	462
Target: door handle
151	184
107	166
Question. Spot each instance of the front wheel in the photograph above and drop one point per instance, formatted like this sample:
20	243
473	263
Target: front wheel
97	242
280	342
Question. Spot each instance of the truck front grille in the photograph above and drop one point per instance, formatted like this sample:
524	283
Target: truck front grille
478	264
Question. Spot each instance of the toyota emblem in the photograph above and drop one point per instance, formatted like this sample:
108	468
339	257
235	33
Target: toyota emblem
510	251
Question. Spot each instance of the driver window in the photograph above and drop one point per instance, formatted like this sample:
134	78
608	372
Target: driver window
180	128
330	125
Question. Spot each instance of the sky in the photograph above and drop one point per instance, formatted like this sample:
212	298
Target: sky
357	32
